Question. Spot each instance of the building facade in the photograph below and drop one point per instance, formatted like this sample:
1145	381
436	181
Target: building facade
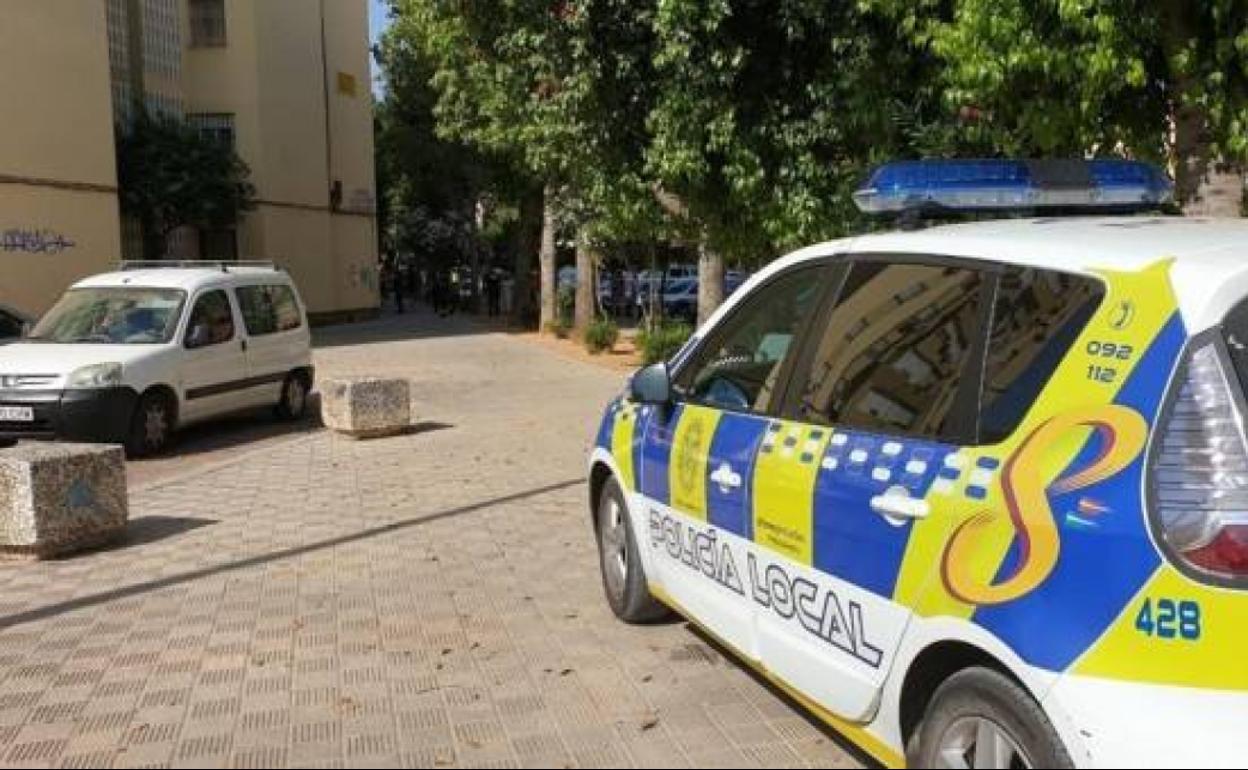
285	82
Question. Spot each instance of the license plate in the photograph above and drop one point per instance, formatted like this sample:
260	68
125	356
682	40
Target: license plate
17	414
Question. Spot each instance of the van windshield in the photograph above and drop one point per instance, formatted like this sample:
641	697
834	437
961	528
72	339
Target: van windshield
112	316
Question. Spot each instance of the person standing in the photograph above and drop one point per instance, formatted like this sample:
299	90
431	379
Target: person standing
493	292
396	284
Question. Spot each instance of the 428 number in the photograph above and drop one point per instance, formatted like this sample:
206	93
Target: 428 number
1169	619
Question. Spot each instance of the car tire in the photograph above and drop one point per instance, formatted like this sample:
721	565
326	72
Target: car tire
623	576
151	426
293	403
980	709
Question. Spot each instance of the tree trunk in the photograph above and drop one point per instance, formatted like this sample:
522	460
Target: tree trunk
528	237
546	258
1204	186
710	282
585	286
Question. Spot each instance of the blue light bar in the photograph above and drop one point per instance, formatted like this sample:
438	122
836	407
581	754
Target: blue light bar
1002	185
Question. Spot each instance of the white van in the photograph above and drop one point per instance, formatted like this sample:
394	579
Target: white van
128	357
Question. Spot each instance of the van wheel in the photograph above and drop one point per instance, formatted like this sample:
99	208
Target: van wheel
980	718
294	402
623	577
151	427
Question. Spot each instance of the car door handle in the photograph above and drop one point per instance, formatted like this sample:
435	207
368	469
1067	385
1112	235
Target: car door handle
904	507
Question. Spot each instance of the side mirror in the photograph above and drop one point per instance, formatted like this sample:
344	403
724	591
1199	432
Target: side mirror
651	385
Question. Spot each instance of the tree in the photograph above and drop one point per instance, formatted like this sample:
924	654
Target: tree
170	176
768	115
560	87
1159	79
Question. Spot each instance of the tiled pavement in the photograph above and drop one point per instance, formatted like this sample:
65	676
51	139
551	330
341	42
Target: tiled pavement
425	600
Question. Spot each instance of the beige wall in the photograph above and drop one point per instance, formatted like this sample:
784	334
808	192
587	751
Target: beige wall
57	170
271	77
293	127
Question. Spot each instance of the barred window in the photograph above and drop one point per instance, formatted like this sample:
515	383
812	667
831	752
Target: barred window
207	23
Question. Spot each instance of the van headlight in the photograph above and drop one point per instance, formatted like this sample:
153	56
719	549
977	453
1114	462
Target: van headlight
95	376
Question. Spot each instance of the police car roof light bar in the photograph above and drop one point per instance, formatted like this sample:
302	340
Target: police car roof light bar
1092	186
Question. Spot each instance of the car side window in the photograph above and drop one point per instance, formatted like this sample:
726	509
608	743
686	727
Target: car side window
10	325
894	351
1037	316
268	309
211	322
739	368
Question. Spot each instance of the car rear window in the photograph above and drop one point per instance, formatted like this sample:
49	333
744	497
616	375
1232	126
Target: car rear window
268	309
1036	318
1235	331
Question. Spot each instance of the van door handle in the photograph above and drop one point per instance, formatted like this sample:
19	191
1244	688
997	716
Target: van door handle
903	507
242	343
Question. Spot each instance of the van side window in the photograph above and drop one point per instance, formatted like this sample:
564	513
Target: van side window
894	352
211	322
269	309
739	368
1037	316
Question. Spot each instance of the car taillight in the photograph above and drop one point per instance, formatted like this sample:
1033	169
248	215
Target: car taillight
1200	471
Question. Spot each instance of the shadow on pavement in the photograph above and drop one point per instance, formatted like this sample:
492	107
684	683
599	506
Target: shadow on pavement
733	659
149	529
246	427
416	324
104	597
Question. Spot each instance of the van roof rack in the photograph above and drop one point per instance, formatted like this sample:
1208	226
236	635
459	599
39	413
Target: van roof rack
209	264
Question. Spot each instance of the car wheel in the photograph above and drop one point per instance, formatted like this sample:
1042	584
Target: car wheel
294	401
981	718
151	427
623	577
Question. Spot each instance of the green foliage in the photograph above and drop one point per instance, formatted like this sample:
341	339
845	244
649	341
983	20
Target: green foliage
428	187
565	304
560	327
601	334
769	114
661	341
169	175
1159	79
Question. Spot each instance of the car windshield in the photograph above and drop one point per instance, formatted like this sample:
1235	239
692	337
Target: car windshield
114	316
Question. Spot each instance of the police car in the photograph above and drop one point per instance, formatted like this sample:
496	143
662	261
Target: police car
975	494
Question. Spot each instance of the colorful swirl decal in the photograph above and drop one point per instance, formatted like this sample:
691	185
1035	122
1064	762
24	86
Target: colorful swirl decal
1123	433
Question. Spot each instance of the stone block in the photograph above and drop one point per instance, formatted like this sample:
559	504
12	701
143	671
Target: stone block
57	498
366	407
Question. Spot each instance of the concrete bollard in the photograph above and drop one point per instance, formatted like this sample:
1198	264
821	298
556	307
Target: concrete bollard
366	407
59	498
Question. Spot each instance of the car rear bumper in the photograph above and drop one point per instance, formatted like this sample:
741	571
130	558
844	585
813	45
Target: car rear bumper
1108	723
97	415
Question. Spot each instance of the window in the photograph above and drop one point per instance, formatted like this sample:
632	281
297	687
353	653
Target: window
207	23
894	350
112	315
217	126
269	309
212	321
1038	315
739	368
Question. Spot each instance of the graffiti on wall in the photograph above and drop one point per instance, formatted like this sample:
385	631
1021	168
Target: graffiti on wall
34	241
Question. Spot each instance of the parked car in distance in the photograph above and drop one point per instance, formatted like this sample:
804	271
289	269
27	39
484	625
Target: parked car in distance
130	356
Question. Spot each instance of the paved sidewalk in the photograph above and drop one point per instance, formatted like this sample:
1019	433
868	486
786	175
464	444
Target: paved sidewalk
430	599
